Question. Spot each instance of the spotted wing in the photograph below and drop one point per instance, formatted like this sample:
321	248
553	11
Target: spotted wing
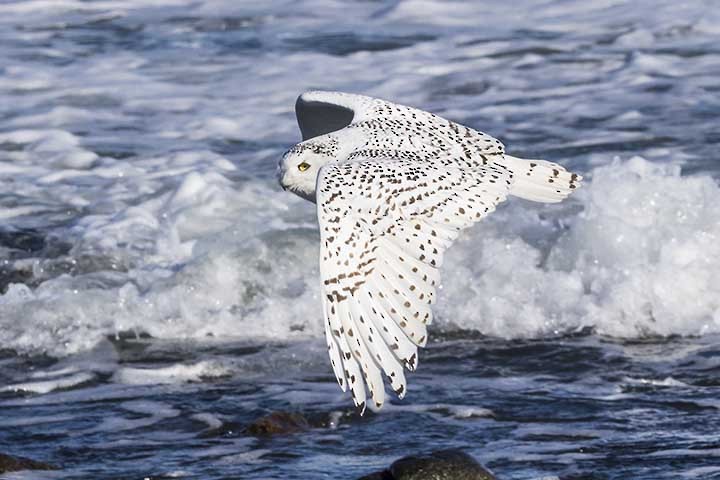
384	225
392	127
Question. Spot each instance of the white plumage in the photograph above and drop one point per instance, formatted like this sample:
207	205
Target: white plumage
394	185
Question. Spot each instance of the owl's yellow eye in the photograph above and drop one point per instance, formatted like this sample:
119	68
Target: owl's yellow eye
303	166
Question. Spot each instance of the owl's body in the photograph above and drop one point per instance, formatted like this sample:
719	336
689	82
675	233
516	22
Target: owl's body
394	185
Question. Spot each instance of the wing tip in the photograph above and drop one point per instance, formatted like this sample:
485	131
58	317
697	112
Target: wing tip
319	112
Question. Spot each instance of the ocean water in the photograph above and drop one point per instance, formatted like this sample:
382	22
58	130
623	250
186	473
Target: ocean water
159	291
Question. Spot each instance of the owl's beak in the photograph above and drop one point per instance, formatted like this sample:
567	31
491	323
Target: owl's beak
281	180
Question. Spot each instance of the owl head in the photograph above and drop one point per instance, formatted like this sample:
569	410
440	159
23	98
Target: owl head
299	167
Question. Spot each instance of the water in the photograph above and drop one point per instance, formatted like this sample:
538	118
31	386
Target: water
158	291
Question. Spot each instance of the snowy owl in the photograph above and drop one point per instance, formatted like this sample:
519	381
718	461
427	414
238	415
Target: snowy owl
394	186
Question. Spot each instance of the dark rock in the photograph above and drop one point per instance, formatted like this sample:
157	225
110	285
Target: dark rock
278	423
441	465
14	464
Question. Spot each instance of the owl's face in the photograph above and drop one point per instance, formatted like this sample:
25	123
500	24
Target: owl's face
299	167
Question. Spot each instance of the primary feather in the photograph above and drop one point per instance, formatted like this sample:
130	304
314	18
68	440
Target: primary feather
394	185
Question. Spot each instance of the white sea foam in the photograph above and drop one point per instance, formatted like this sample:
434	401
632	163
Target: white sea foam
46	386
636	254
442	410
212	421
641	258
665	382
148	411
151	170
172	374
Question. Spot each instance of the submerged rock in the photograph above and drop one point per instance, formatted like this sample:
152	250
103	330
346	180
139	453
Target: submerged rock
278	423
441	465
14	464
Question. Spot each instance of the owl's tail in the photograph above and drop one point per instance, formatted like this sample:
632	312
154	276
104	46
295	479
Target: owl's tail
541	181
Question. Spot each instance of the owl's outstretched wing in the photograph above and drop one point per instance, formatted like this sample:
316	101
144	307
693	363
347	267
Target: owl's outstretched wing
384	225
390	126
